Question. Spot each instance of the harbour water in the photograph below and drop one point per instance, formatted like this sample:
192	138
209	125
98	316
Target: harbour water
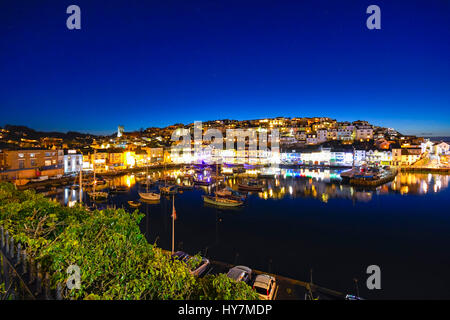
307	219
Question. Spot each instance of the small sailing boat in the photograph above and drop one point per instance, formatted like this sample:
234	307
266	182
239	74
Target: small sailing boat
149	196
223	201
97	195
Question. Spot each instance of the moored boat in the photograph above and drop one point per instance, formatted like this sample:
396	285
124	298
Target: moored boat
150	196
98	195
250	186
168	190
222	201
134	204
202	182
119	189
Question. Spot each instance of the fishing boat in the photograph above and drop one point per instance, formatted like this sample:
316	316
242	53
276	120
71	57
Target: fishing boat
222	201
134	204
250	186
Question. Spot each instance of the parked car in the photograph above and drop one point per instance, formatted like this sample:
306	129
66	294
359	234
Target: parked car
265	286
186	258
240	273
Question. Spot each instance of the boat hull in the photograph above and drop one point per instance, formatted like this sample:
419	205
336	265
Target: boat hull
212	200
150	196
250	188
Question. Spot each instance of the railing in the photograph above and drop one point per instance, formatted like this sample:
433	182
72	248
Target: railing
22	277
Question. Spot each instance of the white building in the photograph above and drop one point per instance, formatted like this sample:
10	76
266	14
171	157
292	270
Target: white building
322	135
346	133
73	161
332	134
341	158
360	157
364	133
311	139
441	148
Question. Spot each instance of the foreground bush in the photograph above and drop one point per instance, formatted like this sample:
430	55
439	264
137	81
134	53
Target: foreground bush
115	260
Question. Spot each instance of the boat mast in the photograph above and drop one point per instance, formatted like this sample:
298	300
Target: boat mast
146	162
81	182
165	173
173	224
217	176
95	153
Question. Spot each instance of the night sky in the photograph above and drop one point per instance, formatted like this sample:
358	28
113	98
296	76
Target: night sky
155	63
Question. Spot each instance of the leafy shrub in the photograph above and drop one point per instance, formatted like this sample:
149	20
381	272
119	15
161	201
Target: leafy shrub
115	260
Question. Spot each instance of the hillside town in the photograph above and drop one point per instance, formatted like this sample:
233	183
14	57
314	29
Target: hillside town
26	154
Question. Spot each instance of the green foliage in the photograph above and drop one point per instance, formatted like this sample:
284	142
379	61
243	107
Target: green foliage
115	260
221	287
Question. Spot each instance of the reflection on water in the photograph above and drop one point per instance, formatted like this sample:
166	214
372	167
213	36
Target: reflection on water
419	183
320	184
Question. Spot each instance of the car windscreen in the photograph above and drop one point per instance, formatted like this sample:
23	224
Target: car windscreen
261	290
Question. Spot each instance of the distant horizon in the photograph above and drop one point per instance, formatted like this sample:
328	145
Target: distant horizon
112	132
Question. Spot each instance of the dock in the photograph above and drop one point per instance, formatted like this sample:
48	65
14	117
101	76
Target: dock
288	288
375	182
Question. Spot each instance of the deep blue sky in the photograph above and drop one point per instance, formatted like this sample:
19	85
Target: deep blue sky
154	63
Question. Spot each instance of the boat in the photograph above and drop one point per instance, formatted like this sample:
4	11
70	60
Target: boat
98	195
39	179
184	187
146	182
360	173
251	186
168	189
150	196
222	201
230	193
119	189
202	182
134	204
218	177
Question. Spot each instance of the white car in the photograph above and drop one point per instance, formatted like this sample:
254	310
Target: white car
265	286
240	273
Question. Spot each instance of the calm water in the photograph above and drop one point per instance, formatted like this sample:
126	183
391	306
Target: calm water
307	219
